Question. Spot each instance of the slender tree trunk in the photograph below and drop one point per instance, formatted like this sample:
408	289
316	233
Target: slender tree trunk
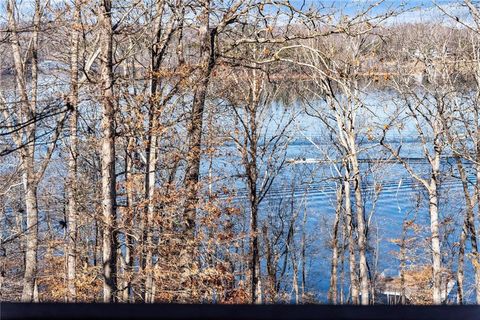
30	187
295	277
194	131
351	240
304	253
403	257
469	227
461	263
3	251
332	292
108	154
30	179
207	60
96	250
476	257
434	228
156	53
271	266
72	162
250	154
252	176
362	233
128	220
31	194
463	234
254	254
149	193
151	167
254	250
342	263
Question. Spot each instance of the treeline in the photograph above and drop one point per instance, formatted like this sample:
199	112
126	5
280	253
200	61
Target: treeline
128	128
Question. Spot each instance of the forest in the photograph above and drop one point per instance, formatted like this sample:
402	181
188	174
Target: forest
240	151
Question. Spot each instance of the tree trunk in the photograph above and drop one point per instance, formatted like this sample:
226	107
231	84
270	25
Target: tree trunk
152	154
271	267
434	228
469	229
252	176
403	258
29	177
332	292
128	220
207	60
461	263
108	154
436	257
149	193
476	257
304	254
72	162
254	255
351	240
250	155
30	187
362	234
192	171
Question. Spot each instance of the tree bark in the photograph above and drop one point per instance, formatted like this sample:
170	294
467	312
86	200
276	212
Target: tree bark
30	187
332	292
194	131
271	266
362	234
469	229
29	176
149	193
254	251
127	266
207	60
476	257
351	240
108	153
72	162
434	228
461	263
156	53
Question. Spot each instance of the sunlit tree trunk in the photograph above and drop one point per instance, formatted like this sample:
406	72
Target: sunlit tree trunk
362	236
476	257
108	153
72	162
332	292
434	225
149	193
151	166
29	176
127	265
468	230
354	289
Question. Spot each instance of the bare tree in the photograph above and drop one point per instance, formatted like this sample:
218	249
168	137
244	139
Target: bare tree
72	164
108	152
429	108
25	137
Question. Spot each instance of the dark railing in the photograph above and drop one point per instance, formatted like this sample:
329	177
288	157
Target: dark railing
234	312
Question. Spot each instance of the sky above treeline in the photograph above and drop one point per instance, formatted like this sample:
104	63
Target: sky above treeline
413	10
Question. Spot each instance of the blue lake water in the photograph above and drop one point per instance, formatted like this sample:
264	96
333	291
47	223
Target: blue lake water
401	198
